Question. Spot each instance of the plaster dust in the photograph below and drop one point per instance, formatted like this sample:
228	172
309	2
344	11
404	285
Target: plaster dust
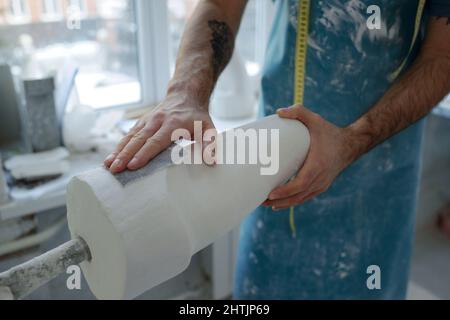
143	232
25	278
6	294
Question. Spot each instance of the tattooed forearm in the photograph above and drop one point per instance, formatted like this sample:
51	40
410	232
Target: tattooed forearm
406	102
222	44
412	96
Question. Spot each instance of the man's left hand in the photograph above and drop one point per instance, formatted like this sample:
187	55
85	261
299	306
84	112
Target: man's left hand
330	153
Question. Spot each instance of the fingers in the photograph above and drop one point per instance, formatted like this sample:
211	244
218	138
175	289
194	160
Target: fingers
145	141
293	112
151	148
110	159
306	185
301	183
292	201
316	188
133	146
301	113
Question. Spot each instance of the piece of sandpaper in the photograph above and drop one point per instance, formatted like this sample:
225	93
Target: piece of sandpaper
161	161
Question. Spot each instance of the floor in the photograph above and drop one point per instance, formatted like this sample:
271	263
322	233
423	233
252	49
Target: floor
430	270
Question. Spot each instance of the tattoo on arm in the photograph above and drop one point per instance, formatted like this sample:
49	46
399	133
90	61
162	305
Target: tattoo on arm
222	44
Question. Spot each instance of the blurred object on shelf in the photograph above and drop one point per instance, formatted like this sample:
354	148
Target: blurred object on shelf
444	219
65	92
106	132
85	130
38	166
10	116
34	123
42	118
77	126
14	229
4	193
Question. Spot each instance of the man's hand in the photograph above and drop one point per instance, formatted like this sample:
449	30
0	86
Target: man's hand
153	132
329	154
409	99
205	50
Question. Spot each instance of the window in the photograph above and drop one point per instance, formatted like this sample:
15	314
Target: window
111	9
78	4
105	48
124	49
75	12
51	10
18	8
253	32
18	11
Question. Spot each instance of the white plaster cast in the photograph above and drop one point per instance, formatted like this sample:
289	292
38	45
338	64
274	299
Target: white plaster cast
145	233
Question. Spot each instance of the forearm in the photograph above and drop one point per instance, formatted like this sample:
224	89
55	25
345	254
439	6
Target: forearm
206	48
333	148
407	101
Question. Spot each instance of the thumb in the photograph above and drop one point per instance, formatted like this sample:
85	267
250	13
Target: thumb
298	112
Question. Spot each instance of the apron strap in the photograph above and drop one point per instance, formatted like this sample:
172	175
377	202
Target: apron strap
417	23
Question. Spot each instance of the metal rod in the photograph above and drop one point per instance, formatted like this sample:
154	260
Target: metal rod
29	276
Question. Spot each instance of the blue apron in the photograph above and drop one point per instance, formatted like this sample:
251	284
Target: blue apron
367	217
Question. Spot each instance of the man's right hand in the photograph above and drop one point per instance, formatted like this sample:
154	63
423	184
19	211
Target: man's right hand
152	133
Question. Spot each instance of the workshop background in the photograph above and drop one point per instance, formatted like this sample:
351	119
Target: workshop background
90	68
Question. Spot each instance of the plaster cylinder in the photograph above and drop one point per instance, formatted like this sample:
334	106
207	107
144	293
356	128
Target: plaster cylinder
144	232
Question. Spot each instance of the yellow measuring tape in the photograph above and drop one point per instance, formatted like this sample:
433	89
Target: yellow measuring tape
300	62
300	66
420	8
